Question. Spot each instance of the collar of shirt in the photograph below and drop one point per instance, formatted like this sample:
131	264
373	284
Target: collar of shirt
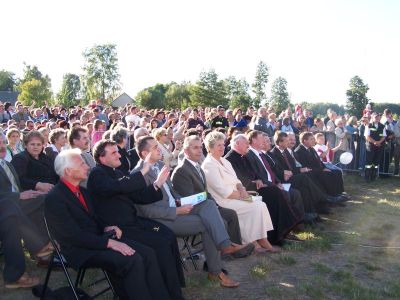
257	153
73	188
195	164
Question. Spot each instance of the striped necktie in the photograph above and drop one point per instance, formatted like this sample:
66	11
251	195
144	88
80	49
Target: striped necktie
10	175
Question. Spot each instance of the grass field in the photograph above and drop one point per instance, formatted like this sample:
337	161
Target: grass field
353	254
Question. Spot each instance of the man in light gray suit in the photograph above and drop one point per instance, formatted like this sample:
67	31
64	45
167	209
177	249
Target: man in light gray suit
186	220
189	179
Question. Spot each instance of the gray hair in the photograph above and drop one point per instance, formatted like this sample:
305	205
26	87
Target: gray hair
140	132
189	139
212	138
118	134
64	160
236	138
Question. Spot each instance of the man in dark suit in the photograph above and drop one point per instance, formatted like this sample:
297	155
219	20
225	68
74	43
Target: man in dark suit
280	209
330	181
68	208
264	166
115	196
287	171
189	179
188	219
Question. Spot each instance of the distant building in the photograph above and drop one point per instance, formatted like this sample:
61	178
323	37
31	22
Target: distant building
122	100
6	96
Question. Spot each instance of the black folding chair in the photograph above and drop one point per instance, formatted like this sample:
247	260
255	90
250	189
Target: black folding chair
192	255
57	259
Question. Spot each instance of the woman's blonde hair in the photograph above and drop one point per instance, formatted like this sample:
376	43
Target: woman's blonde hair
212	138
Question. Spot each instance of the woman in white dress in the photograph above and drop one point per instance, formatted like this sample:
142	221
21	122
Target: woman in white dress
227	190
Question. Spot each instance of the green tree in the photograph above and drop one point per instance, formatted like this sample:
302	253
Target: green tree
260	81
34	87
209	90
101	78
356	96
152	97
238	92
280	97
7	81
178	95
69	93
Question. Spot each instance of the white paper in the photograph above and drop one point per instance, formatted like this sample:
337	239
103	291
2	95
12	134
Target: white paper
286	186
194	199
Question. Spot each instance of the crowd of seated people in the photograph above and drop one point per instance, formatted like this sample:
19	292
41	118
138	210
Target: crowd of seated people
93	169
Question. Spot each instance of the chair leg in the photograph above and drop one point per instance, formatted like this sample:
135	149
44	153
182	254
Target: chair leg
46	281
109	282
69	278
78	277
185	240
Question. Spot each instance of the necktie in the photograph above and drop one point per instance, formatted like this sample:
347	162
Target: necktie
81	199
286	160
268	167
199	171
171	199
10	175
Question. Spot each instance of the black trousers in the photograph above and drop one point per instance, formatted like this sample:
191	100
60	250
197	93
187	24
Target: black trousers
163	241
330	182
283	217
133	277
14	259
311	194
231	223
374	154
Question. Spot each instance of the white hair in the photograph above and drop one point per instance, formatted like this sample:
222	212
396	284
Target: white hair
236	138
64	160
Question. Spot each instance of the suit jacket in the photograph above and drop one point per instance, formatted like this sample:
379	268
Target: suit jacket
5	184
257	168
159	209
280	160
308	158
31	171
115	195
79	232
187	181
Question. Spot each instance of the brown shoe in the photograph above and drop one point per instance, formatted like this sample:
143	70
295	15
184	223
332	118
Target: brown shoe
25	281
224	280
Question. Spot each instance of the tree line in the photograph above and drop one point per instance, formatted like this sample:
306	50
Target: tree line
100	78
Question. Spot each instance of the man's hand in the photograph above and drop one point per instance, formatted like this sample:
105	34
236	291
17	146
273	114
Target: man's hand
259	184
184	209
279	185
287	174
146	164
122	248
162	177
29	194
326	170
118	232
305	170
43	187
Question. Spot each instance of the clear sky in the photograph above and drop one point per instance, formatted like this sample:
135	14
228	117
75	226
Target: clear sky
317	45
